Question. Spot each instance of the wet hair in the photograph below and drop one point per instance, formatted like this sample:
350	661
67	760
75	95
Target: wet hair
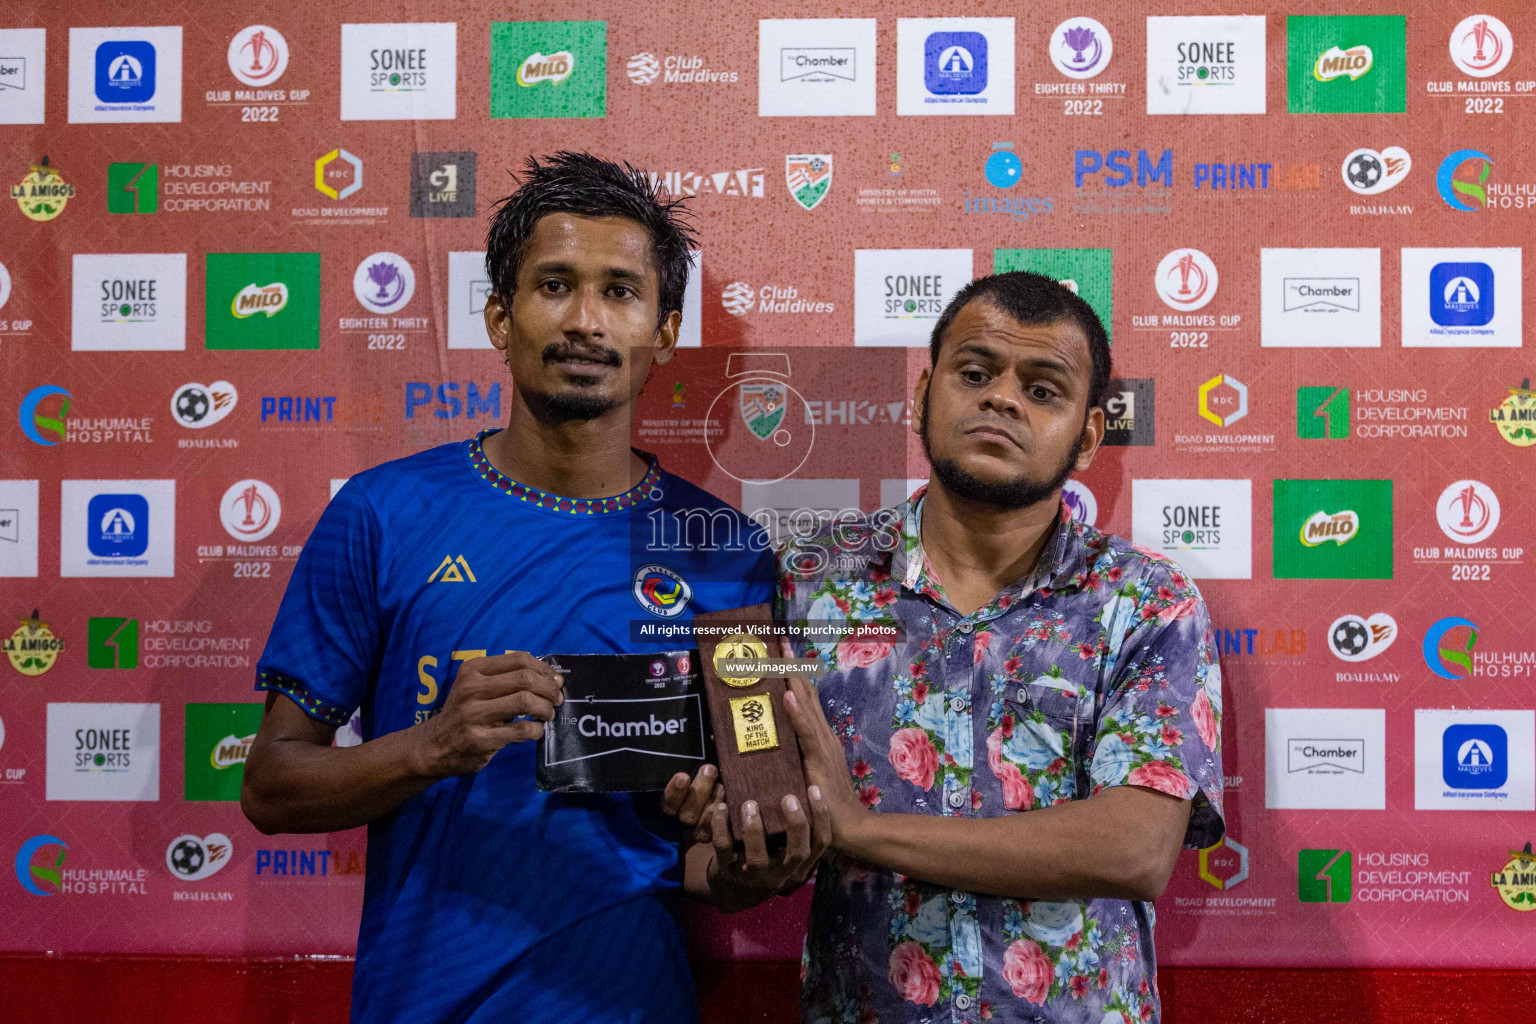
588	186
1034	299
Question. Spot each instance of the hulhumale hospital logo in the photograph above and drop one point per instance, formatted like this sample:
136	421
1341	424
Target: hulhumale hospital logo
48	872
1460	193
1439	658
36	424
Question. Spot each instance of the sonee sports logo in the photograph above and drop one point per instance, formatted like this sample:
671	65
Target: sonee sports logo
661	591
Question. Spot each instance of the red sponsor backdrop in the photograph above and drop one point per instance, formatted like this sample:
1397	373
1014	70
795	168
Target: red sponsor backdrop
1421	892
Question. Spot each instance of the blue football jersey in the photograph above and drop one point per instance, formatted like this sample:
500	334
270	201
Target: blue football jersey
485	899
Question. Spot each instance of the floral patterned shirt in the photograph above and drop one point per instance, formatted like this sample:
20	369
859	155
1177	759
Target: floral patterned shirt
1097	670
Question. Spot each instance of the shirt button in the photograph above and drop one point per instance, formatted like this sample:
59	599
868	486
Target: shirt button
957	799
957	704
962	1001
957	896
966	627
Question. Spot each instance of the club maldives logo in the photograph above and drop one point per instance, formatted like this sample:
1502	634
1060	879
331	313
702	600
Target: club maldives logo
1186	279
1081	48
738	298
1369	172
1516	881
1468	511
1515	417
1439	658
45	878
809	177
384	282
1460	193
258	55
1481	45
1357	638
43	193
32	648
34	422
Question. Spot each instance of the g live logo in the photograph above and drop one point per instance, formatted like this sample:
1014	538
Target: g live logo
1324	876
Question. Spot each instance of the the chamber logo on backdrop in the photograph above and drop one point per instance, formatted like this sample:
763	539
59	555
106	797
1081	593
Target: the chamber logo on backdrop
104	752
399	72
124	75
32	648
1349	64
1325	758
1515	416
1332	529
18	529
816	67
23	75
809	177
954	66
549	69
1461	298
262	300
1474	760
1205	526
1087	273
42	194
899	293
443	184
1360	638
117	528
1205	65
129	302
1320	298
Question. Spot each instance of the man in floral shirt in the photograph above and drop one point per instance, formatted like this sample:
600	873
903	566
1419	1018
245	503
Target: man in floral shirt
1045	667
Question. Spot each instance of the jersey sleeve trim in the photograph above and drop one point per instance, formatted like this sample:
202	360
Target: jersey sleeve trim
313	706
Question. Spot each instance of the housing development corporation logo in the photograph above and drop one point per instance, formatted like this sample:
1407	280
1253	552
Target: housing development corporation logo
1324	876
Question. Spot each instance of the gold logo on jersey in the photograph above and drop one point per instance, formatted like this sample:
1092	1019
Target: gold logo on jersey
452	570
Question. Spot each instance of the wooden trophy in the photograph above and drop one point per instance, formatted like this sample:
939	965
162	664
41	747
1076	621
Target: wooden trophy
754	739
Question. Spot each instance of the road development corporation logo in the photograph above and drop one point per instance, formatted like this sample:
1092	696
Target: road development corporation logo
1481	46
1516	881
1224	865
1438	658
1515	417
1223	400
661	591
1360	638
1468	511
1462	180
196	406
46	877
258	55
1324	876
808	176
384	282
1081	48
549	68
1368	172
250	510
32	648
338	174
1474	760
193	858
1186	279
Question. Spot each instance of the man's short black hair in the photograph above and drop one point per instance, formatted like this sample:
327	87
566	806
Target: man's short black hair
589	186
1033	299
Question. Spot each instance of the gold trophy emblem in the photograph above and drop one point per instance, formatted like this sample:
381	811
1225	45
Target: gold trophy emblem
739	647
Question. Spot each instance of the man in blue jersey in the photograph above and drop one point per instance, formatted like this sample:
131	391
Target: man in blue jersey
426	595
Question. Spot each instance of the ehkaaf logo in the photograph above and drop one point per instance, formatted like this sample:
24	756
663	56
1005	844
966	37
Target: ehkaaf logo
661	591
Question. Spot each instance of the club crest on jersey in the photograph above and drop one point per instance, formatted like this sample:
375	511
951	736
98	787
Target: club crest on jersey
452	570
661	591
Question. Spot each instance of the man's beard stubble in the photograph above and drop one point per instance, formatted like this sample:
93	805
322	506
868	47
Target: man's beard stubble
567	407
1008	495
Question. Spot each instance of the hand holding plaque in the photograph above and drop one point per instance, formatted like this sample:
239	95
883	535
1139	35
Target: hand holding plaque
755	743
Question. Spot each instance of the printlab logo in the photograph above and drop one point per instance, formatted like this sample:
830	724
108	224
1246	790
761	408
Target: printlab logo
250	510
1468	511
1481	45
808	176
133	188
384	282
1368	172
193	858
549	69
1322	413
1186	279
1324	876
1462	180
1348	64
1439	658
36	422
258	55
112	643
202	405
45	878
1081	48
1355	638
443	184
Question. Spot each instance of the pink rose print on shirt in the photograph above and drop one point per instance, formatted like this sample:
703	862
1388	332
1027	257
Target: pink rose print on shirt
1161	776
1027	970
1205	719
914	976
861	651
913	756
1018	794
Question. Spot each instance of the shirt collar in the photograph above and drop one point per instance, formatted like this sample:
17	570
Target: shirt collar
648	489
1063	560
